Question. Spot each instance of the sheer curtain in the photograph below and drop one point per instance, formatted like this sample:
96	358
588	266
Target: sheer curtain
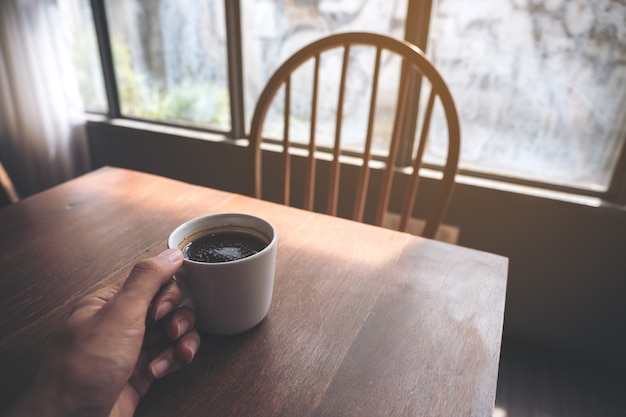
42	127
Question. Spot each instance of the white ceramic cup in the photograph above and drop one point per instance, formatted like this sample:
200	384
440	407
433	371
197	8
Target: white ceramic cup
228	297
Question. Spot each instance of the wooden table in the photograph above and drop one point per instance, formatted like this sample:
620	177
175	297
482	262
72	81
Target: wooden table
364	321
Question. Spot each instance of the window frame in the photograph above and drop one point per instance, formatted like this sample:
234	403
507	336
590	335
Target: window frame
416	32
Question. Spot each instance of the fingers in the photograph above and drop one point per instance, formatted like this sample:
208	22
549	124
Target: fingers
164	302
146	278
170	328
179	323
173	357
175	331
127	309
187	346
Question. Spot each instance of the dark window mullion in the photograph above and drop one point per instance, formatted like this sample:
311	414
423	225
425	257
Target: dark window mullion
415	32
416	29
235	68
106	57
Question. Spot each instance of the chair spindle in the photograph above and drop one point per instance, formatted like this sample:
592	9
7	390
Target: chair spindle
286	142
309	194
409	199
392	158
364	175
333	189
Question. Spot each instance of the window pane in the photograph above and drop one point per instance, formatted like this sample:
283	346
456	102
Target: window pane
540	86
170	60
81	38
273	30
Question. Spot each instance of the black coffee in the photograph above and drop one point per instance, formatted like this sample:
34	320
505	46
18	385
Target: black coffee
223	247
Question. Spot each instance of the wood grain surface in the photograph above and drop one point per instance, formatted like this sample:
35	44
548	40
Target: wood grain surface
364	321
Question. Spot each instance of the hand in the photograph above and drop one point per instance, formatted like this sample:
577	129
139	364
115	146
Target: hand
114	344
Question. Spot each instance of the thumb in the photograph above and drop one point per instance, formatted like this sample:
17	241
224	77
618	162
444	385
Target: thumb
143	283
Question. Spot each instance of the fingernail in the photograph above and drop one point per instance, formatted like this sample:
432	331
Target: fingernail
162	310
193	350
183	326
173	254
160	368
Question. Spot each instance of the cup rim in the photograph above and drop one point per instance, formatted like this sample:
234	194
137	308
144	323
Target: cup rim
272	241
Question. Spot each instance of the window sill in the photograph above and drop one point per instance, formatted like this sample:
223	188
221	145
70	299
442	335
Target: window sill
532	191
462	178
163	129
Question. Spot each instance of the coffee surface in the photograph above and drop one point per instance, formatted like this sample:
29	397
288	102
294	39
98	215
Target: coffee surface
223	247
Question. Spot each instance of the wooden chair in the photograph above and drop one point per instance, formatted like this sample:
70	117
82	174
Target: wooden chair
7	185
413	58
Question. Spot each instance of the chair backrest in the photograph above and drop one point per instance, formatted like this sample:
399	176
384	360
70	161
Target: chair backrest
412	59
7	185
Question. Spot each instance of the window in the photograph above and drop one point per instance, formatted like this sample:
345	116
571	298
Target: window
170	60
539	85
